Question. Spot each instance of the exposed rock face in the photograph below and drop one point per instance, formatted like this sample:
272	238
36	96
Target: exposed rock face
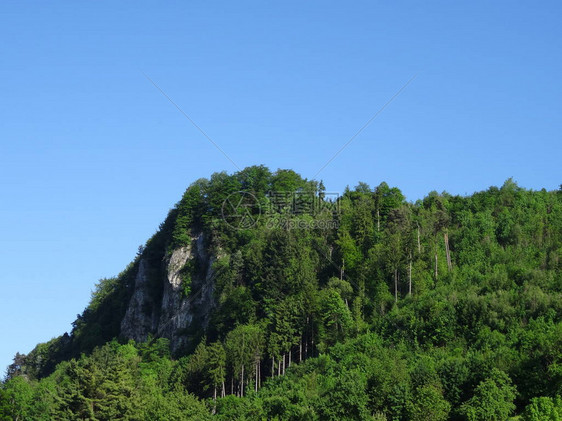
137	324
176	311
171	314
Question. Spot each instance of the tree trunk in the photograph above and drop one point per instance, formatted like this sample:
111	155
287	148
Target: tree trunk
378	221
419	244
289	357
436	266
449	263
312	340
410	276
306	337
242	383
257	375
396	285
272	366
223	392
300	351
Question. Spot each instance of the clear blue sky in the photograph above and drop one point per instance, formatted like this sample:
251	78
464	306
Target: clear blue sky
93	156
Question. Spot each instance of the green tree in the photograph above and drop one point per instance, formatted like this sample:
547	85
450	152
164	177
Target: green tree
428	404
244	349
16	399
336	321
189	211
493	399
344	397
216	367
543	409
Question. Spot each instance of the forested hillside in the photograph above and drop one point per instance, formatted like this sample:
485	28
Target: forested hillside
294	303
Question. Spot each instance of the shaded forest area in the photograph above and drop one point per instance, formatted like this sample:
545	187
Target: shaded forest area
446	308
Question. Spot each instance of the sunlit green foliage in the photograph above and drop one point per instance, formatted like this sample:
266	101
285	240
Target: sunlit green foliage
447	308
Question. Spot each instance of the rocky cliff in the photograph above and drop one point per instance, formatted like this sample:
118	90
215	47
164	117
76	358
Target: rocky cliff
172	313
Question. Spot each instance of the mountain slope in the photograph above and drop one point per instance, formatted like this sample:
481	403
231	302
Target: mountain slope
447	308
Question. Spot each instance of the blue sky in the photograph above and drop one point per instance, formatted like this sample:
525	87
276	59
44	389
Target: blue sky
92	155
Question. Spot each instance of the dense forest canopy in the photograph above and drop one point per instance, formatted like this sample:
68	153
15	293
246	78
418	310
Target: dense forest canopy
358	306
